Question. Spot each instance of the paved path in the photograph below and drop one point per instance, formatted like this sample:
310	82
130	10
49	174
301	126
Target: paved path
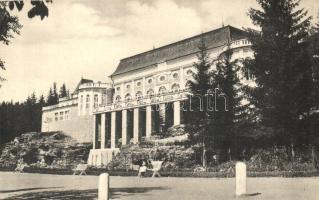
41	186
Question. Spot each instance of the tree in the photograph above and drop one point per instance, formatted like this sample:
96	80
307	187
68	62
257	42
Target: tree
52	98
9	25
63	91
232	118
199	88
281	67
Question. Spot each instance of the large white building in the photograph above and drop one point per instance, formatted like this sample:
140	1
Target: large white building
146	94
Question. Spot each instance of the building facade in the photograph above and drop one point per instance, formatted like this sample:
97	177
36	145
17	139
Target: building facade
73	115
150	88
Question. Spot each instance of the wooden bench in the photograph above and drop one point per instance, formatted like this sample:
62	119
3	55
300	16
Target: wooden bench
157	165
81	168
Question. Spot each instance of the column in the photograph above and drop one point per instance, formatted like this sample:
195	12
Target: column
124	127
103	131
177	113
94	131
113	138
135	126
148	121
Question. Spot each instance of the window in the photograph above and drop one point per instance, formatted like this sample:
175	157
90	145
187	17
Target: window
248	75
175	75
96	101
128	97
87	101
175	87
56	116
66	115
139	95
128	86
118	98
188	85
61	115
162	90
150	93
189	72
138	84
162	78
81	102
118	89
149	81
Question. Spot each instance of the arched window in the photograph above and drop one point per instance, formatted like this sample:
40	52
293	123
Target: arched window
118	98
162	90
128	97
188	85
139	95
175	87
150	93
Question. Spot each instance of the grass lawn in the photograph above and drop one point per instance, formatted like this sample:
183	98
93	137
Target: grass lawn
42	186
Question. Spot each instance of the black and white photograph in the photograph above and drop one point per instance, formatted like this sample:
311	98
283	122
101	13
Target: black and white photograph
159	99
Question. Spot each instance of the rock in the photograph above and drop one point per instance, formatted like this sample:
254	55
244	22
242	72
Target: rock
53	150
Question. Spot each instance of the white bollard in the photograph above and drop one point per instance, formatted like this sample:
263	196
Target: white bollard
104	187
240	178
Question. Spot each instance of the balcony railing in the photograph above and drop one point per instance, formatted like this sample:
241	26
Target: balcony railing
94	85
144	101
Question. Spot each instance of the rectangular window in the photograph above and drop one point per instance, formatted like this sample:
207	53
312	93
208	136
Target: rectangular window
81	102
66	115
96	101
87	101
56	116
61	115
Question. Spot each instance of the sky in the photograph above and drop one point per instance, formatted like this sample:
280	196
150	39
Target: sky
82	38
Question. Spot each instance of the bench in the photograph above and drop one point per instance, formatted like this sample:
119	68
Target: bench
157	165
81	168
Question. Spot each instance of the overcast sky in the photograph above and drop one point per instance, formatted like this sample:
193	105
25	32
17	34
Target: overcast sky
87	39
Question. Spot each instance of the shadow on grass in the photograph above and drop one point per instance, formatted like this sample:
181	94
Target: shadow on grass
115	193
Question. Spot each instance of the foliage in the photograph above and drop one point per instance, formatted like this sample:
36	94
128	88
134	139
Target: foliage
44	150
281	67
20	117
231	118
9	25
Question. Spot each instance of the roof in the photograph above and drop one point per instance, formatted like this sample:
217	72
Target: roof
214	38
82	81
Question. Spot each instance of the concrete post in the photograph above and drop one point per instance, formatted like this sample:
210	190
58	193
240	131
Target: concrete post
113	124
240	178
104	184
103	131
135	126
177	113
148	121
124	127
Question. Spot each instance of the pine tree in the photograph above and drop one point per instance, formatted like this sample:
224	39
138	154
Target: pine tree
52	98
281	67
63	91
199	88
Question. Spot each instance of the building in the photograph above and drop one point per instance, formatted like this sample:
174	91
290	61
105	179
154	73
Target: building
151	87
73	115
